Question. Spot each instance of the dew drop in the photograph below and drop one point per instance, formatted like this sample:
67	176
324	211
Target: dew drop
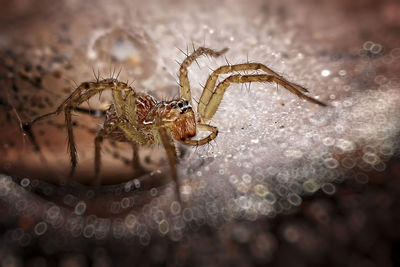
370	158
328	141
25	182
187	214
310	186
331	163
88	231
163	227
130	220
80	208
40	228
328	188
144	239
153	192
175	207
325	73
294	199
260	190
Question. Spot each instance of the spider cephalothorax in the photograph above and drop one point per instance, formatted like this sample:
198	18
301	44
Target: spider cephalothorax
177	116
138	118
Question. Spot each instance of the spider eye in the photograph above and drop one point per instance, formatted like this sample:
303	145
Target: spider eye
186	102
180	105
173	105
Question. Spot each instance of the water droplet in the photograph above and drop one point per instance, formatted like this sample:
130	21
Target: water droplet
163	227
53	212
310	186
380	167
175	207
328	188
136	182
130	220
153	192
25	182
331	163
368	45
187	214
294	199
88	231
80	208
270	198
345	145
348	163
376	48
371	158
125	203
328	141
144	239
260	190
246	178
40	228
233	179
325	73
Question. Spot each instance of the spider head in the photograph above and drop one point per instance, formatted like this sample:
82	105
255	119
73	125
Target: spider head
179	119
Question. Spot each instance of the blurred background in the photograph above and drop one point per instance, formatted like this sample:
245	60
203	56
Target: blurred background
286	183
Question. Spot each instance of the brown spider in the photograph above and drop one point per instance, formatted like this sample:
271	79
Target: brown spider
140	119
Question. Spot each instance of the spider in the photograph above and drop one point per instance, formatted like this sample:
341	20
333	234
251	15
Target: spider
140	119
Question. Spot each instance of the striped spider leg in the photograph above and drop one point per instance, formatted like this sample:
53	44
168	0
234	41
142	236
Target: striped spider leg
212	94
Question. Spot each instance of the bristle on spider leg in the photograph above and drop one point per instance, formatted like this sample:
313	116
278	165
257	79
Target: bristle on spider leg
183	52
114	72
94	75
194	48
196	100
133	80
119	72
76	85
227	62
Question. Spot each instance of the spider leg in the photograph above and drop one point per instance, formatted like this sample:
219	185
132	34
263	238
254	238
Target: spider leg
170	149
81	94
212	105
183	71
71	140
135	157
209	90
126	108
101	134
207	139
131	133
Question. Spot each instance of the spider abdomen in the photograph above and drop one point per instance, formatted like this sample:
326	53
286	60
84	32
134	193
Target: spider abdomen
144	104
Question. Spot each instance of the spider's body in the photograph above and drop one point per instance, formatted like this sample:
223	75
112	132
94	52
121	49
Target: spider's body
177	116
140	119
